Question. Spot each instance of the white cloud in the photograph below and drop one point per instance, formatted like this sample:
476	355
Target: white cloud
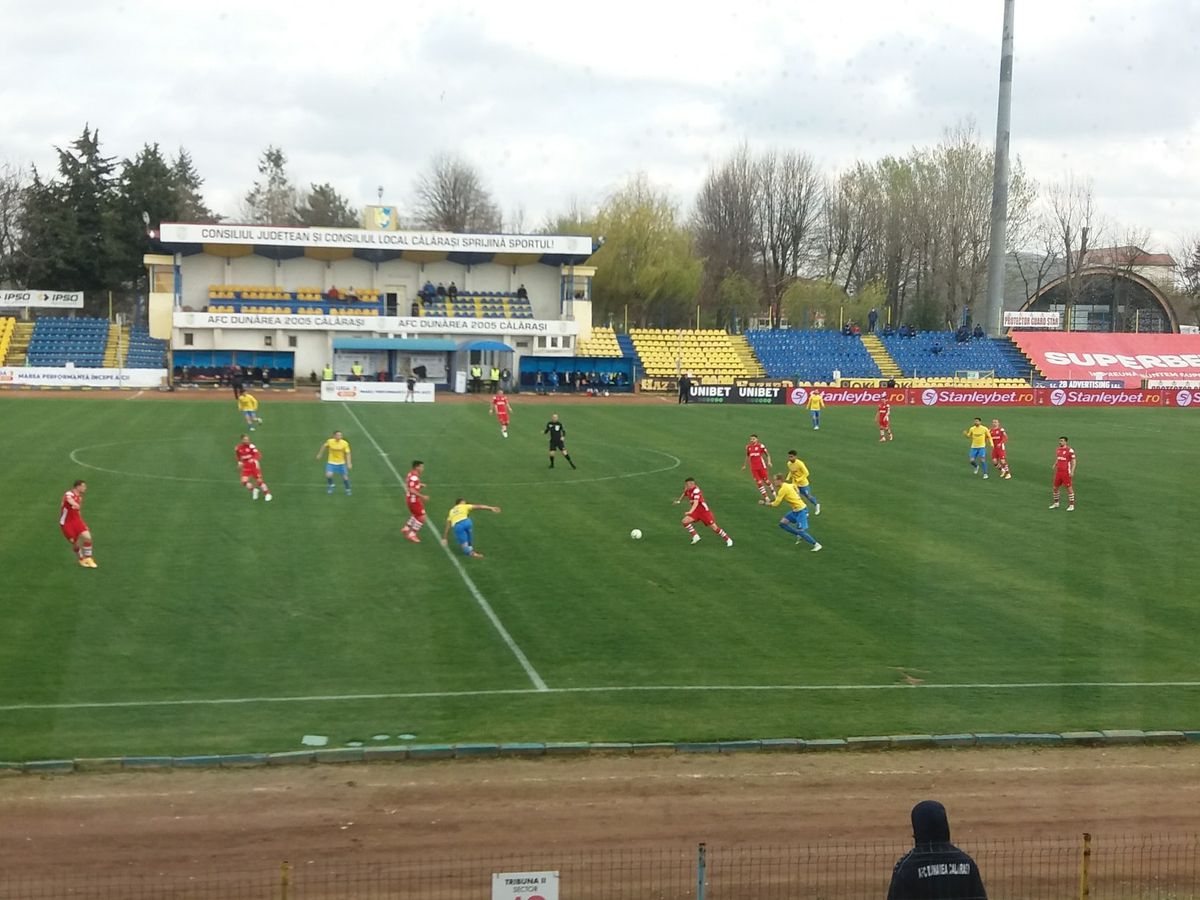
556	100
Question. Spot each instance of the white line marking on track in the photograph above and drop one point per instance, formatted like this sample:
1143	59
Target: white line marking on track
512	645
616	689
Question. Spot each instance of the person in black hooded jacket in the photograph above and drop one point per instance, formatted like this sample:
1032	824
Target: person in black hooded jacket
934	869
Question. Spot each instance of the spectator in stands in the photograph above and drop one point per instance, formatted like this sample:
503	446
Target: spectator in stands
888	330
416	309
452	291
908	331
872	318
333	293
428	291
961	335
351	294
846	330
936	348
855	330
522	294
978	332
934	867
441	290
685	388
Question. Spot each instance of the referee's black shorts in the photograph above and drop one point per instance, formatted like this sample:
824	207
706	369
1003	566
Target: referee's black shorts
556	444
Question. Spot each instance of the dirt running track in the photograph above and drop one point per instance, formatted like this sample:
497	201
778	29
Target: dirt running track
197	823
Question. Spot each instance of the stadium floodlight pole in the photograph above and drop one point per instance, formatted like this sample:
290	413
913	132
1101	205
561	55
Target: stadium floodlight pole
994	316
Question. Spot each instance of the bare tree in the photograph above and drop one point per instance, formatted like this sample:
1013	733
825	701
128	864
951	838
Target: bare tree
1073	216
451	197
789	210
272	199
724	222
13	181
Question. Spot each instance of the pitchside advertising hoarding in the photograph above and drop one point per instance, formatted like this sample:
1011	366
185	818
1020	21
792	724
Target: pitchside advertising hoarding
71	377
376	392
1128	358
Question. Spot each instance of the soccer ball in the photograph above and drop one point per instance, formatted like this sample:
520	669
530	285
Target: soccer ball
606	393
636	534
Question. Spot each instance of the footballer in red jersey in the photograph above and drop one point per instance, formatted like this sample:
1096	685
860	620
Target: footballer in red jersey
415	500
999	449
501	406
74	529
883	418
759	461
250	463
1064	472
699	511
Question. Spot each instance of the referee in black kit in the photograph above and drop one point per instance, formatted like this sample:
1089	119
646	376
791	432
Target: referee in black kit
558	439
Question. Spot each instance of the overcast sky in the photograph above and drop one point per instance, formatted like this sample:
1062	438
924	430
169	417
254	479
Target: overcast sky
554	100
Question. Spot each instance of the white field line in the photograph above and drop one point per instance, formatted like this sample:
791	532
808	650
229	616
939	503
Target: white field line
537	680
617	689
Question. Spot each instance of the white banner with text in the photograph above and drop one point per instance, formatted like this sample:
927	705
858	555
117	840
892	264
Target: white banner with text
377	325
33	376
365	239
1033	320
41	298
376	392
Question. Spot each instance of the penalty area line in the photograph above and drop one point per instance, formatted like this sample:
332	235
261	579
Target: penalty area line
616	689
480	600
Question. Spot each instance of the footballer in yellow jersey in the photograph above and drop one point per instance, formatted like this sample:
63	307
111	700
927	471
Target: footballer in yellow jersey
795	521
337	462
459	519
815	404
797	474
981	439
248	404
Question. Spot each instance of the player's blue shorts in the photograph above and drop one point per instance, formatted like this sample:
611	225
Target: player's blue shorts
978	453
335	469
463	533
799	518
249	414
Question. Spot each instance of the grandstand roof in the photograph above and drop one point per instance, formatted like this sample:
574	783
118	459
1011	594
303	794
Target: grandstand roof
413	344
288	242
486	345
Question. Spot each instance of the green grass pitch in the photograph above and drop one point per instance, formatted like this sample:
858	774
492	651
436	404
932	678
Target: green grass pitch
217	624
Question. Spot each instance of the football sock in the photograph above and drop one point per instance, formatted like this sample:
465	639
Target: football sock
984	466
552	462
721	533
86	550
1070	498
790	529
691	529
805	536
248	486
1056	496
568	458
262	486
329	481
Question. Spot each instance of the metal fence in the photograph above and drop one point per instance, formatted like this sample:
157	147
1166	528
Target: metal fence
1084	868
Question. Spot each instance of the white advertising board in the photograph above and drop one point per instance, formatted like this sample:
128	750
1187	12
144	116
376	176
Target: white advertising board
364	239
1033	320
42	298
525	886
376	392
376	324
68	377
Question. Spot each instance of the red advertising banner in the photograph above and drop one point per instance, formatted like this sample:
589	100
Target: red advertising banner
1023	396
1127	357
1184	398
862	396
1101	397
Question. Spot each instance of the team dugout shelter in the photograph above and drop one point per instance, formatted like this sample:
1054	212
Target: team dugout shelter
378	299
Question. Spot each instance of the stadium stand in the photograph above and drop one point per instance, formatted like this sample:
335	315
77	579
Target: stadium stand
603	342
7	324
145	352
706	354
270	300
483	305
58	341
812	355
915	356
18	347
